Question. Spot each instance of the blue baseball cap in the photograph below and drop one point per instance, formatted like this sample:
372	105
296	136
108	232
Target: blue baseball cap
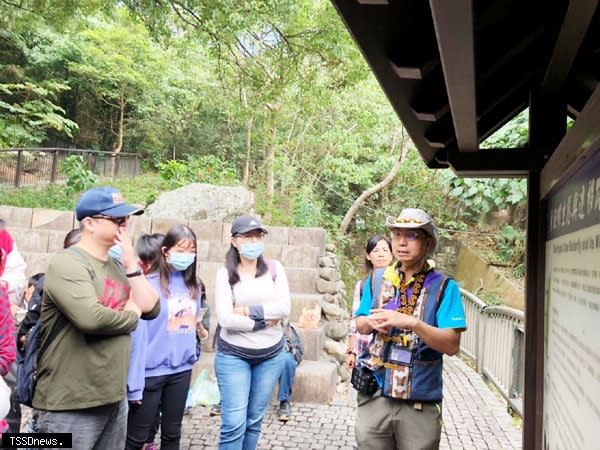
106	201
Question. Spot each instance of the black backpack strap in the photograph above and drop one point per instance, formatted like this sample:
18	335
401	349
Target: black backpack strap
60	324
88	265
442	289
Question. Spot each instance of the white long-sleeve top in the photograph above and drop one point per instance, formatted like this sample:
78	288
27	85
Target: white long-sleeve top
272	295
14	275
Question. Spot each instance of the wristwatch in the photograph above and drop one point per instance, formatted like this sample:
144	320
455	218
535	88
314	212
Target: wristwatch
137	273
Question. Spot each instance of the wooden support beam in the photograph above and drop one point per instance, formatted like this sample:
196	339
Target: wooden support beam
373	29
453	23
573	30
415	71
547	125
506	105
373	2
497	162
576	147
431	101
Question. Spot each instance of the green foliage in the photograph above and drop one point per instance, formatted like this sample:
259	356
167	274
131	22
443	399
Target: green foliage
307	209
480	196
27	112
513	134
205	169
492	297
53	196
203	90
484	195
174	172
79	177
140	190
511	247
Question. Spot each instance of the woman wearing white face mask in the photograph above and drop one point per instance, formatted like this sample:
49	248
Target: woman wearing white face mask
251	296
167	347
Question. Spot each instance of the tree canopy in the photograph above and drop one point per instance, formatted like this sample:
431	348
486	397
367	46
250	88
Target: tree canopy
272	94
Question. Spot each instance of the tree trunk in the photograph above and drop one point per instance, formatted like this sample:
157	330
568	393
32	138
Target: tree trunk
378	187
118	146
246	175
249	125
270	193
271	164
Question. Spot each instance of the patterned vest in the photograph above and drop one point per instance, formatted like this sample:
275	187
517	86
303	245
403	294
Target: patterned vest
405	366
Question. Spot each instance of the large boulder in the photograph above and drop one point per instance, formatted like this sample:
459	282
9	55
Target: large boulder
199	201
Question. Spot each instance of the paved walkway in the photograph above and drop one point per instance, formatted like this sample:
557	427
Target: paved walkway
474	418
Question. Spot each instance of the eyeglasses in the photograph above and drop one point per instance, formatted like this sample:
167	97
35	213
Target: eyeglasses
117	220
408	235
250	235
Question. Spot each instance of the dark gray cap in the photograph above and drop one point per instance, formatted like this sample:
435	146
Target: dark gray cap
246	223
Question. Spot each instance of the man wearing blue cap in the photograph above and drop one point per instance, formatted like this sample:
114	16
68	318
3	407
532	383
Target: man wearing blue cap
89	307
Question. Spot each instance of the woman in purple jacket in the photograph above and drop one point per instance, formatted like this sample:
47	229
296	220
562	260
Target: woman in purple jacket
167	346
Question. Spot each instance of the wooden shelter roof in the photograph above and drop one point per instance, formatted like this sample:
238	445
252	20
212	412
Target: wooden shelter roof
457	70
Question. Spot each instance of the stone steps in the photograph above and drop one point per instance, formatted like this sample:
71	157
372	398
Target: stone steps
38	262
315	379
315	382
39	234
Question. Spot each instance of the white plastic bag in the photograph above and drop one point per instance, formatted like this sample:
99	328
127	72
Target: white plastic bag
205	391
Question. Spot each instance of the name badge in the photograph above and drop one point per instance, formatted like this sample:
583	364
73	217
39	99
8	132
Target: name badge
401	355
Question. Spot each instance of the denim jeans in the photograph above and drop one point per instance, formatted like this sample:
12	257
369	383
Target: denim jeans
100	427
287	377
245	393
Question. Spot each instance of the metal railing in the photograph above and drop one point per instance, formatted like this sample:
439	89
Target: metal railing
33	166
495	342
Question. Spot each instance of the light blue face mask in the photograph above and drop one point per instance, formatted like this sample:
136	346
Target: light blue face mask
115	252
253	250
181	261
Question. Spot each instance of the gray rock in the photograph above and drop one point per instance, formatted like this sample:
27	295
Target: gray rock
343	372
335	349
330	298
337	330
331	311
327	261
329	273
330	248
199	201
326	287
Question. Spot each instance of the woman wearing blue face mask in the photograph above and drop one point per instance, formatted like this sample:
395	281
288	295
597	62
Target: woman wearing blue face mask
251	298
169	348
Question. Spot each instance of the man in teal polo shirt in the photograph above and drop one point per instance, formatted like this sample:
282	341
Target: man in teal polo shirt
417	317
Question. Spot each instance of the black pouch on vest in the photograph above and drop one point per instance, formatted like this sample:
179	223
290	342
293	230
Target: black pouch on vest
363	380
